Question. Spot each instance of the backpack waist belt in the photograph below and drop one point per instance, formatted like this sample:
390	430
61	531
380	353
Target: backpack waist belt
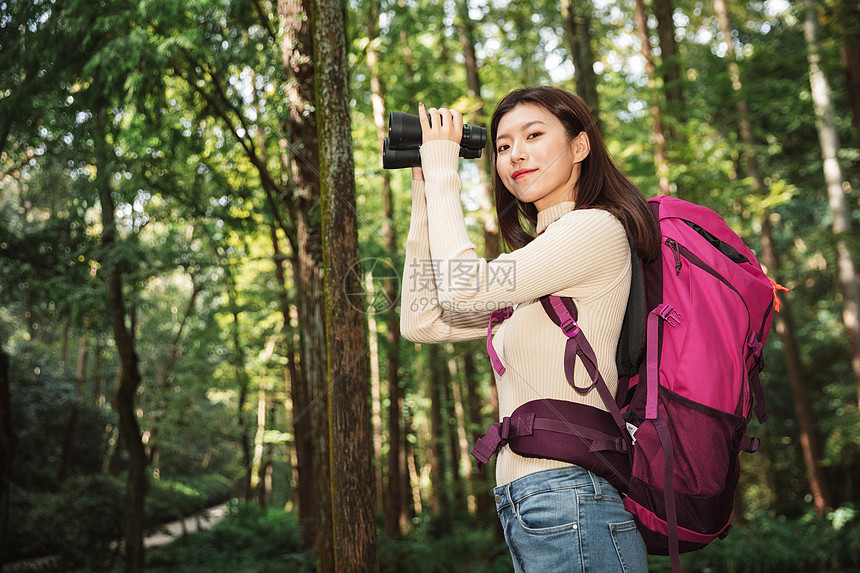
543	429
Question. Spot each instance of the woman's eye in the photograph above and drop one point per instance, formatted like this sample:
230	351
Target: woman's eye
535	134
501	148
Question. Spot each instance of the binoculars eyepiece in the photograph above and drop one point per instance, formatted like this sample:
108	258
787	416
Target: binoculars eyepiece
400	148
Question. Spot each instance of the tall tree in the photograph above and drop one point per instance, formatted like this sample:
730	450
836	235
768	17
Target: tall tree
129	374
577	16
300	156
810	442
393	498
243	382
453	408
71	428
353	526
670	66
848	22
660	158
475	426
828	139
8	441
476	115
440	500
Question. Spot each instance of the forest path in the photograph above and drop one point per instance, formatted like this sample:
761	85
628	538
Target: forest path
197	522
166	533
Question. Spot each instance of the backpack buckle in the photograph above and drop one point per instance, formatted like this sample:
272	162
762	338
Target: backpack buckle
668	313
506	428
570	328
755	344
501	314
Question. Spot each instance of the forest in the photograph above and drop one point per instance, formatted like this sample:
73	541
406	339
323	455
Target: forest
201	258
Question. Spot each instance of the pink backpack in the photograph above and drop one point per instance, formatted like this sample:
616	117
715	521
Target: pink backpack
689	360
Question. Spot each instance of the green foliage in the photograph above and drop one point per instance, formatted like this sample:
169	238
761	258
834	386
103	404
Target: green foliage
43	401
249	538
438	545
81	523
808	543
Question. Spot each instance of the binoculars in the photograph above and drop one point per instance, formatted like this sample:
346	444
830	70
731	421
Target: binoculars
400	148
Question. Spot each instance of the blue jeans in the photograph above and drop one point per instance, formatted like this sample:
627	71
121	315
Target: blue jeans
568	519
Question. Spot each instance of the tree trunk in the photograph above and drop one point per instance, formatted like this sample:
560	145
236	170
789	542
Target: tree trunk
173	349
476	115
114	464
810	444
375	385
660	158
393	498
129	375
492	237
294	385
8	441
670	66
482	483
828	138
452	429
72	428
413	477
848	22
577	27
242	380
439	502
398	478
806	420
301	153
353	526
458	402
258	464
98	395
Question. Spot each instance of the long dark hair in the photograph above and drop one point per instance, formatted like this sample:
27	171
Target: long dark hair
601	184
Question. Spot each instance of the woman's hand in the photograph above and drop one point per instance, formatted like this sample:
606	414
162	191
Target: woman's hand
443	125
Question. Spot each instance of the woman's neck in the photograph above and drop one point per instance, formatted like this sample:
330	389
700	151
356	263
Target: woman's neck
552	214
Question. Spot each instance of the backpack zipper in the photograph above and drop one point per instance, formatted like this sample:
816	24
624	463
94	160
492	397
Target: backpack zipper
675	251
680	250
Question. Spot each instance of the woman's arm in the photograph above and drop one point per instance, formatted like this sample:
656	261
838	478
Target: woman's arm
422	319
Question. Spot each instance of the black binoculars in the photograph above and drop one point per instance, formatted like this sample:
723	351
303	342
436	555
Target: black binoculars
400	148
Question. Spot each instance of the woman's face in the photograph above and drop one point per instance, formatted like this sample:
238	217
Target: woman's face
536	159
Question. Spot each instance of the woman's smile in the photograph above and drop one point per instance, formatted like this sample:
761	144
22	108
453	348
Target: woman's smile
522	173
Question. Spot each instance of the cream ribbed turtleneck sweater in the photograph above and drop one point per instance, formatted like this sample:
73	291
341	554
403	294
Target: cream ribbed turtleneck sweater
449	292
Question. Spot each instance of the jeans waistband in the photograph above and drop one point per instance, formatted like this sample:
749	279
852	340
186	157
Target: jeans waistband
557	478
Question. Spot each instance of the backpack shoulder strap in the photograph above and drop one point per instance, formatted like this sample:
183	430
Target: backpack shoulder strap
578	346
629	354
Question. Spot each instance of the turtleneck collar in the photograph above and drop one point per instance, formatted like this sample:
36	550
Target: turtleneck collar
552	214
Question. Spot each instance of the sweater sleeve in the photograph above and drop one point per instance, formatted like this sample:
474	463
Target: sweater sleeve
422	318
579	255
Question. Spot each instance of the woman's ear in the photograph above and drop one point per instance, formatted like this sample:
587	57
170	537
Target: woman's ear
581	147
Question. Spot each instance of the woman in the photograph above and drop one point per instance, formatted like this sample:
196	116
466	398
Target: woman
552	171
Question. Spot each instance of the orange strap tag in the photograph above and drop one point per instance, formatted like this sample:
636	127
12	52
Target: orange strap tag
776	287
